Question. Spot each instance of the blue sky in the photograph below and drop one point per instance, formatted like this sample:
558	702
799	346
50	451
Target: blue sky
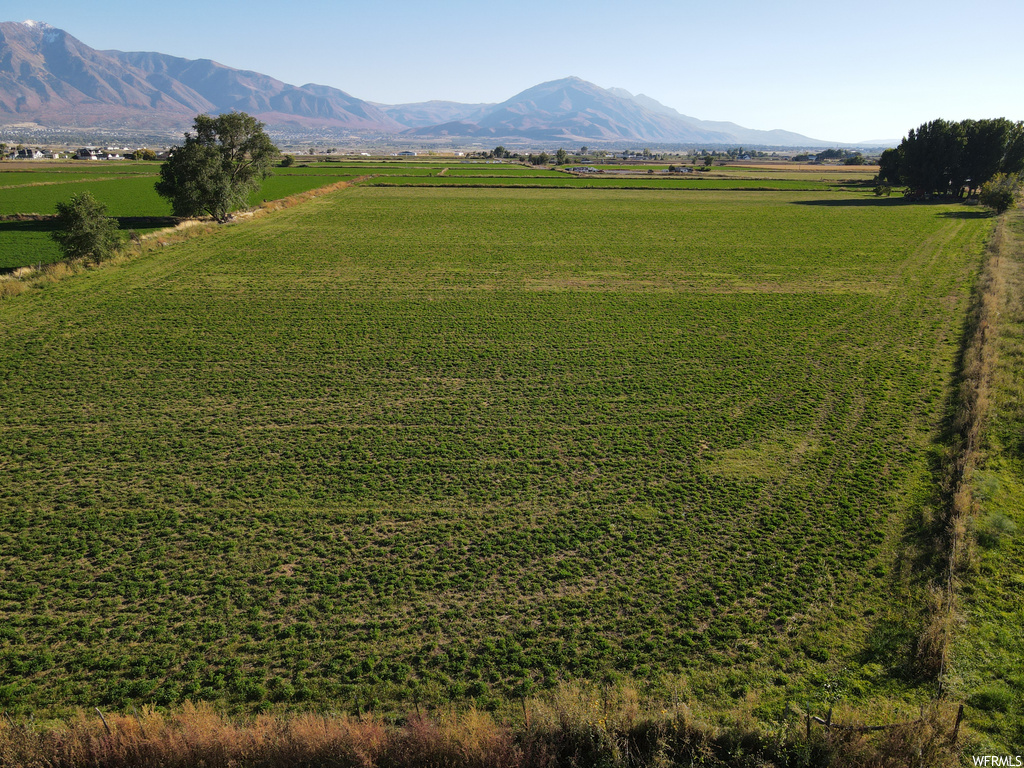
834	71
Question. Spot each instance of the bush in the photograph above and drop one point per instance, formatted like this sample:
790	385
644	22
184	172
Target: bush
1001	192
84	230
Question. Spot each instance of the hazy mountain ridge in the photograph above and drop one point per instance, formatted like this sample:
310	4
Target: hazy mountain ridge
49	77
230	89
433	113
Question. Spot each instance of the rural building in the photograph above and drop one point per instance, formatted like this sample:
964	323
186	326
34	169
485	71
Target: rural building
94	153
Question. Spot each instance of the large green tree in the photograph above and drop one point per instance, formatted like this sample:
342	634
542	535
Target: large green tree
218	167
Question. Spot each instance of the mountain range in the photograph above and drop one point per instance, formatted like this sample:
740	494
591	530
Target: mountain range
51	78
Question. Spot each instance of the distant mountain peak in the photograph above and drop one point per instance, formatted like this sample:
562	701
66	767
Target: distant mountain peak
49	77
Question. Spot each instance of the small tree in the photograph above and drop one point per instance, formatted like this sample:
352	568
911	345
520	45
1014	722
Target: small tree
217	168
1001	192
561	157
84	230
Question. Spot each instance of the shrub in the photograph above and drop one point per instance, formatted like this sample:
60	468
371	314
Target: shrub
1001	192
84	230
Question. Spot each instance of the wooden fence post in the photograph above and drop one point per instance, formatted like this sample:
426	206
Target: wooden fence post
959	719
104	721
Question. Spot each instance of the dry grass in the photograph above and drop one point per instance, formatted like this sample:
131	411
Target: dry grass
971	407
573	726
9	287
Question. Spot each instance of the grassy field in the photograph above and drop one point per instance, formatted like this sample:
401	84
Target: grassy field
125	188
988	660
415	444
568	181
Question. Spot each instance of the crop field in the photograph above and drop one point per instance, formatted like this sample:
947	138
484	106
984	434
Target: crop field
135	195
28	178
126	195
123	196
26	242
567	181
414	444
519	171
455	168
283	185
362	169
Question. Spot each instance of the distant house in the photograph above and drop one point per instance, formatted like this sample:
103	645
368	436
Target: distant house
29	154
95	153
407	153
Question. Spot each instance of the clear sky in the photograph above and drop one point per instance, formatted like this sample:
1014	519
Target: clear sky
836	71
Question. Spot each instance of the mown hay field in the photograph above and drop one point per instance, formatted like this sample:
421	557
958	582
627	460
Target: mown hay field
403	445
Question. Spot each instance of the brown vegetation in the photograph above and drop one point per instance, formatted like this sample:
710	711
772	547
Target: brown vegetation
971	402
571	727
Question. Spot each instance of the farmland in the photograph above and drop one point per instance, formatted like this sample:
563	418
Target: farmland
422	444
125	188
565	181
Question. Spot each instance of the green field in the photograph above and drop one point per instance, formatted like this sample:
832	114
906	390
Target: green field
127	191
568	181
416	444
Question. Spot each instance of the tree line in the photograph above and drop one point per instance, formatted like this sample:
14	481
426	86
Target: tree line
954	158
